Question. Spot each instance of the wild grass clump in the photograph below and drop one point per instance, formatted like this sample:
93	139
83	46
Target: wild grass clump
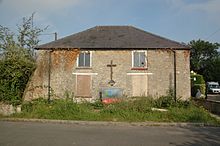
130	109
57	109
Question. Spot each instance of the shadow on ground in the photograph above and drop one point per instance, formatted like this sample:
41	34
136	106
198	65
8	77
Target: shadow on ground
201	136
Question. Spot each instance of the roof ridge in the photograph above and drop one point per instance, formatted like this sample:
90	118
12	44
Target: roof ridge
112	25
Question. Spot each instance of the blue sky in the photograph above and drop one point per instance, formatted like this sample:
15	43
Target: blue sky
180	20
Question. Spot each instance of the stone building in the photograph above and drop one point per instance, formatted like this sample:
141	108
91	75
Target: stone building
111	61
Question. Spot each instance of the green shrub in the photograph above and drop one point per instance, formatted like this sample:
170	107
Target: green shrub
197	79
164	102
197	82
14	75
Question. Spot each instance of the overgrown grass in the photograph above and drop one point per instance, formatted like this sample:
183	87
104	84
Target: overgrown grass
132	110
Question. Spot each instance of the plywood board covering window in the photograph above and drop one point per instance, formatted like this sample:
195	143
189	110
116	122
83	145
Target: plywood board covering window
83	85
139	85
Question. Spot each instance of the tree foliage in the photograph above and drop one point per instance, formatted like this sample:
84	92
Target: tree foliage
14	75
215	70
17	59
28	34
204	56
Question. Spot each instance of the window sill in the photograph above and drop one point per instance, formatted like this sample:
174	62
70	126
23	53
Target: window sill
139	68
78	96
83	68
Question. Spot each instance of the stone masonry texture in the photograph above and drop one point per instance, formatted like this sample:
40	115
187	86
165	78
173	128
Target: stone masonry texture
159	72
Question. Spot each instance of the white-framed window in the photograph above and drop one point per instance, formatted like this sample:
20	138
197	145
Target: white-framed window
84	59
139	59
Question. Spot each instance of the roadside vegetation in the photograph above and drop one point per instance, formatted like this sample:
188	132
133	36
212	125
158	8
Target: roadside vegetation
205	59
17	59
137	109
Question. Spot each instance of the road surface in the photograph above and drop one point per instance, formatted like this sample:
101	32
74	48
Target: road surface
55	134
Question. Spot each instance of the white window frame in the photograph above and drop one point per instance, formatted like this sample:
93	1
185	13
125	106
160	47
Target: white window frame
145	52
90	57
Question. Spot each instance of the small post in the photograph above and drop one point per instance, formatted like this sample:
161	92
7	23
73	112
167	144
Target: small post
100	96
55	34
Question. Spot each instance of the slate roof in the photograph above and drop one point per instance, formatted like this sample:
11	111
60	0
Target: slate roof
113	37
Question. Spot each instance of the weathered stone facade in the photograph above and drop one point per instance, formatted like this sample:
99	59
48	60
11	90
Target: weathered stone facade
152	73
62	62
156	80
161	64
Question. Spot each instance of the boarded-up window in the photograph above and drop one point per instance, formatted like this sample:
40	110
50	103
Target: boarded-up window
139	59
139	85
83	85
84	59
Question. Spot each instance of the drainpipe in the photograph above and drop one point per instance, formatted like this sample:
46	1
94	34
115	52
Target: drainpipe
174	74
49	70
49	74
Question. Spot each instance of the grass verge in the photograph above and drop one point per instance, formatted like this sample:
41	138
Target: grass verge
135	110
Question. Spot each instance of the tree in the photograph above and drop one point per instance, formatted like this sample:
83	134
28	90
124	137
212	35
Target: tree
215	70
6	38
203	57
17	59
28	34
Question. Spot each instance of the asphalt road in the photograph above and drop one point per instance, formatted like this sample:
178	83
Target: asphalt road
54	134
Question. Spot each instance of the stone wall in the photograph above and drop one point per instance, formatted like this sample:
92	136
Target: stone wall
158	78
161	65
159	74
8	109
183	74
62	62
